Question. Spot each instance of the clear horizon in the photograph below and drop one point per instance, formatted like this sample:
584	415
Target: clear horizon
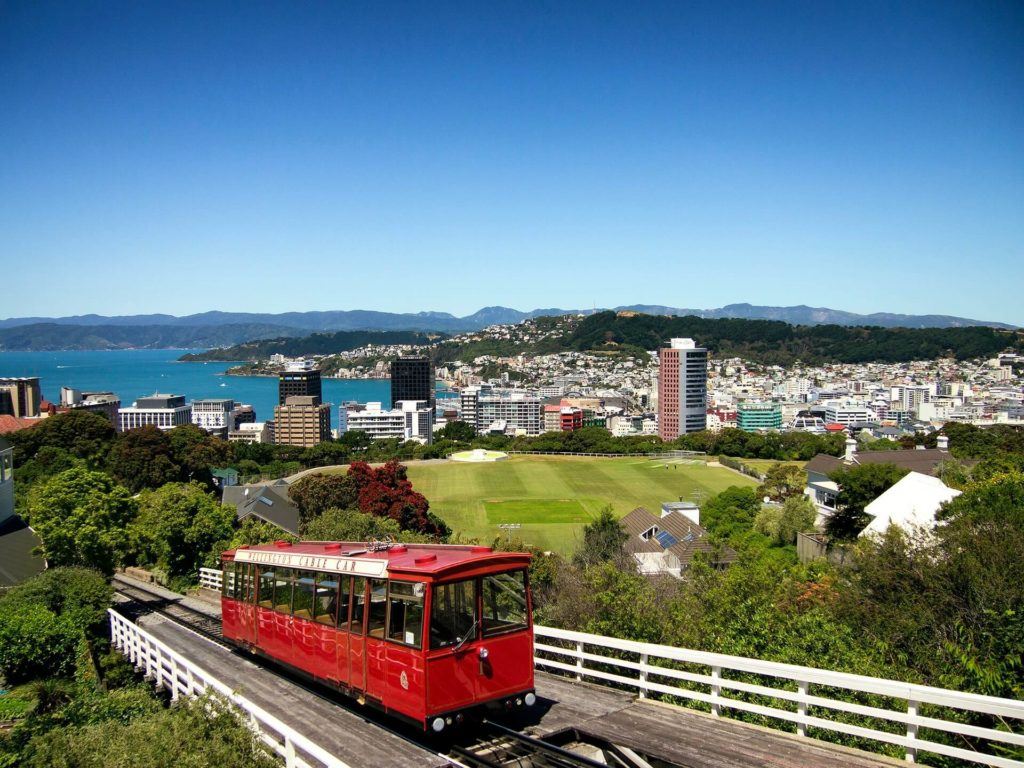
865	157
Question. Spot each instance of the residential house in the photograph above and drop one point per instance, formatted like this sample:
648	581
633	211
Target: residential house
668	544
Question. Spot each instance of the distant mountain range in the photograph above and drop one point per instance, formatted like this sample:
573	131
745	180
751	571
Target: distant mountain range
217	329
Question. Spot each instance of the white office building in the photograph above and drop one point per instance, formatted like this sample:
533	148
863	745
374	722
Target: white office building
215	415
411	420
162	411
848	411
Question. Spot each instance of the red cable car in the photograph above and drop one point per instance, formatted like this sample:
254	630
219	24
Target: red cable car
425	632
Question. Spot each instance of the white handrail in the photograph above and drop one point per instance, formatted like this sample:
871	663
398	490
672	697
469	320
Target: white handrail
171	671
581	656
657	669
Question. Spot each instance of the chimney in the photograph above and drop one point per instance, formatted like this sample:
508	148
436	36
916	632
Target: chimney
942	442
851	449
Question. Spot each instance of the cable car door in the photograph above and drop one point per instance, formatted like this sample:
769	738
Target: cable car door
357	636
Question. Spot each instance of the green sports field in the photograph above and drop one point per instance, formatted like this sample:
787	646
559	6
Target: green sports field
553	497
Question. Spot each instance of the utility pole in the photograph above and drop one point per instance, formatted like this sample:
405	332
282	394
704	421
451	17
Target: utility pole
508	528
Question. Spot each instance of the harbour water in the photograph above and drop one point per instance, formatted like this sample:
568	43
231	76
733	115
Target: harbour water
134	373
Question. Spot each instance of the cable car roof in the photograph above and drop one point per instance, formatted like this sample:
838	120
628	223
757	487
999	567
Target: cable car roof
376	560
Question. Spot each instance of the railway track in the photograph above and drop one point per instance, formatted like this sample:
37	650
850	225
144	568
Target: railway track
494	746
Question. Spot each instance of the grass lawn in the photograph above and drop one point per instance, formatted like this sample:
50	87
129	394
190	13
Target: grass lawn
763	465
553	497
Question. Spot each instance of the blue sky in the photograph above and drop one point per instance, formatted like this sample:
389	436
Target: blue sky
179	157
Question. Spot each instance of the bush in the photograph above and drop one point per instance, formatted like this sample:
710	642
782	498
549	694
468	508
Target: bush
35	642
197	735
80	595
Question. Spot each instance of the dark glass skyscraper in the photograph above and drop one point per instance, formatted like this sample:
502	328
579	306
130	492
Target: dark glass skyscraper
303	383
412	378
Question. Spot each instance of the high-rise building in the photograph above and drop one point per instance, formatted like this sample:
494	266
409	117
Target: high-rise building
214	415
299	379
20	397
412	378
303	420
682	388
162	411
755	416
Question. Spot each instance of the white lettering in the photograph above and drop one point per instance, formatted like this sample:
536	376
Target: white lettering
371	567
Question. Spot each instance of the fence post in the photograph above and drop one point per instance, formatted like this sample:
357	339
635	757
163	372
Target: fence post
912	709
643	675
579	660
803	687
289	753
174	679
716	690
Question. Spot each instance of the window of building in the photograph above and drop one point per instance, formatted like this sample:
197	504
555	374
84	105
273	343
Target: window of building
504	602
452	613
405	613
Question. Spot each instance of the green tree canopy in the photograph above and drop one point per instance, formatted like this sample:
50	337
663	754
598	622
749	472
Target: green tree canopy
782	481
143	458
458	431
315	493
197	453
85	435
177	525
603	540
82	518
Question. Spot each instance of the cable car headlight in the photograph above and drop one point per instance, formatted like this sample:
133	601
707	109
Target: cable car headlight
530	699
484	653
437	724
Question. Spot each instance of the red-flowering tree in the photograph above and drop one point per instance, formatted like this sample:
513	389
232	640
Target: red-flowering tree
386	491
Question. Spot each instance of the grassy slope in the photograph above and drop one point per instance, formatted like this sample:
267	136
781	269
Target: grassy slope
464	495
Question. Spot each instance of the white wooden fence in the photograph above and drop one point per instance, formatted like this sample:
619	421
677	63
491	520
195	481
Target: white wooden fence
789	693
171	671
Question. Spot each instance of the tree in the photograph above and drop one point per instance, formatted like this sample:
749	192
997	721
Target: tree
325	454
603	540
197	453
82	518
81	595
781	523
859	485
43	620
782	481
315	493
35	642
458	431
731	513
143	458
177	525
82	434
387	492
353	525
355	440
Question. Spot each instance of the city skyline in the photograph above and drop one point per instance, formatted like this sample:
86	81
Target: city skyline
864	157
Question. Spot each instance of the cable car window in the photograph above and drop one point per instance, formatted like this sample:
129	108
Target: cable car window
267	588
227	580
504	602
405	613
378	608
283	590
302	598
326	603
358	604
250	583
453	614
345	590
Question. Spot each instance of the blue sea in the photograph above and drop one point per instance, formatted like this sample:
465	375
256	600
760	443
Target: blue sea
134	373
